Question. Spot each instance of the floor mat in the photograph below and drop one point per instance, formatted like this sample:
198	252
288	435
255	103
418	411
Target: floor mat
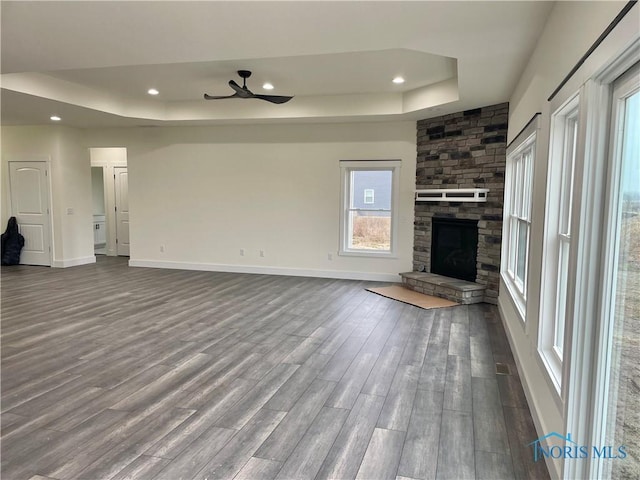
396	292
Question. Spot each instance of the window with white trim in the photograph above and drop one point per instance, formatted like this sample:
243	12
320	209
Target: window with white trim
560	181
517	216
368	222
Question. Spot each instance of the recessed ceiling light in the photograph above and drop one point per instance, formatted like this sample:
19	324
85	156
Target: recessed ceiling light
55	118
153	91
267	86
398	80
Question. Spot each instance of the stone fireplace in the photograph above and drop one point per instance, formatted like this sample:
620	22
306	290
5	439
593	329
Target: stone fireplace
459	151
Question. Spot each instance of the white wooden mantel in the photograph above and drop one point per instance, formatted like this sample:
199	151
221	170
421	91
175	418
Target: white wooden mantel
452	195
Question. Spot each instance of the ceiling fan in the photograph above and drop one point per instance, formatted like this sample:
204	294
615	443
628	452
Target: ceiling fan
244	92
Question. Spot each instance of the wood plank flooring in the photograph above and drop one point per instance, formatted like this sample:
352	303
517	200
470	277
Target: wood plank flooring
111	372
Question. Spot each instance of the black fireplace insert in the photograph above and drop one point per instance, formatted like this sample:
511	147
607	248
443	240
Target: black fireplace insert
454	248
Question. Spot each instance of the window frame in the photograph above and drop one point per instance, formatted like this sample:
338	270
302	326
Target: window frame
585	368
518	202
622	88
348	166
558	245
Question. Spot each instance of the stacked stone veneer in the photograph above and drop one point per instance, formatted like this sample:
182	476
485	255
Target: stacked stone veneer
464	150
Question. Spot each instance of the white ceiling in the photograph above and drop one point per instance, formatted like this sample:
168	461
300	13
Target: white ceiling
92	62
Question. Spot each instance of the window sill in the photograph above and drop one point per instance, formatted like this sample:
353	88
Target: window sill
552	381
516	298
367	253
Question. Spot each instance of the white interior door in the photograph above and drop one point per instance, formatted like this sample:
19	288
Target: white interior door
29	187
122	210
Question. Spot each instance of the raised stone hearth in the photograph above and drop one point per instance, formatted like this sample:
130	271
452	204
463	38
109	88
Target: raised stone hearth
452	289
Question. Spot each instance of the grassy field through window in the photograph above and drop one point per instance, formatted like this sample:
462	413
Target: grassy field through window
626	371
373	233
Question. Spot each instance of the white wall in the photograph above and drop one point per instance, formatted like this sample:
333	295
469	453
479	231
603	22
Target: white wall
204	193
70	186
570	31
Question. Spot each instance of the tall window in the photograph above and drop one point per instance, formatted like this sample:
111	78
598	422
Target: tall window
619	399
368	221
562	160
517	215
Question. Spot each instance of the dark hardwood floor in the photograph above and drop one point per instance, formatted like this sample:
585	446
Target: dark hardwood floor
110	372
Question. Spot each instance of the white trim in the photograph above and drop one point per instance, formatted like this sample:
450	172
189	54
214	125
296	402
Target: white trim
623	88
348	166
370	164
584	365
582	296
555	236
610	71
451	195
517	208
260	270
515	297
74	262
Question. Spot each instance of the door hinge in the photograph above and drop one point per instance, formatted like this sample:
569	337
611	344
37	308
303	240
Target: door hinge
46	173
116	208
116	240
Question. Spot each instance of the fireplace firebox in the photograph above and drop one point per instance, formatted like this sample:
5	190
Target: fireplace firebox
454	248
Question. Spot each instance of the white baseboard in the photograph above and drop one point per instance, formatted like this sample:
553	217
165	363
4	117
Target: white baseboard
73	262
553	466
294	272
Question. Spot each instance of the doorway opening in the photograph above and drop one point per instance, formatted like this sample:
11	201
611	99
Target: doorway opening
99	214
110	191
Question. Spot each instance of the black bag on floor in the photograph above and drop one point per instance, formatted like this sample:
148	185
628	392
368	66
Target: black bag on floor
12	243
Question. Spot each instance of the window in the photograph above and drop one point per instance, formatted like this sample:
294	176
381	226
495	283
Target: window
562	161
517	215
368	221
599	383
618	398
369	197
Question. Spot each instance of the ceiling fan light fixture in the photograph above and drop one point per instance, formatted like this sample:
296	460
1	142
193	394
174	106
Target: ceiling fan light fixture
55	118
398	80
153	91
244	92
267	86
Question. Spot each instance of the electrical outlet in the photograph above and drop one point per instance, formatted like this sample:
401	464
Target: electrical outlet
262	253
242	252
161	248
69	211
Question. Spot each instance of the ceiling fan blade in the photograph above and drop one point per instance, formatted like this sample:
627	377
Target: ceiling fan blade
273	98
219	97
242	92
